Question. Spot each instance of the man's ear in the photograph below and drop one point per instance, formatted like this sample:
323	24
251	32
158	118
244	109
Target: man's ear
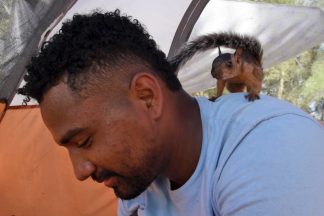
145	89
238	56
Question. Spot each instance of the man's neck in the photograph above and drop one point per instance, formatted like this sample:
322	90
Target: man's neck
187	140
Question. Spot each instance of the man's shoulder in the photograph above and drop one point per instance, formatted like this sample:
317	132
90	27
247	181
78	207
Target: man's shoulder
232	117
261	156
235	107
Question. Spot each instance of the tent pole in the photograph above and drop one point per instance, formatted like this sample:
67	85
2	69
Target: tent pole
186	25
3	108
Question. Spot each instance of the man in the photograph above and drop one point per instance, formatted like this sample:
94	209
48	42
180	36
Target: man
108	95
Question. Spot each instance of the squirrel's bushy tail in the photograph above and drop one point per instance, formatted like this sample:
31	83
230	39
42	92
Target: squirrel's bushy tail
210	41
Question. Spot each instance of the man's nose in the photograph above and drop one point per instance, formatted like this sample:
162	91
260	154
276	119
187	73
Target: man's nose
83	168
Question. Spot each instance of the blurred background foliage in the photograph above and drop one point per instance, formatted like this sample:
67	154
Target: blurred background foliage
299	80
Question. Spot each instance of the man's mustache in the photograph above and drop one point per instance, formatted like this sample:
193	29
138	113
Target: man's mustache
102	175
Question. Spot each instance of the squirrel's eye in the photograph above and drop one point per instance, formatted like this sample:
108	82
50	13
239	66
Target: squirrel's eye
228	63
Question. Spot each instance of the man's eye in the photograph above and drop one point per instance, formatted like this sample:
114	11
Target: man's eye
85	143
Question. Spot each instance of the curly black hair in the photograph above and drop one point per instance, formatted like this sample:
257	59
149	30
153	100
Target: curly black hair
90	39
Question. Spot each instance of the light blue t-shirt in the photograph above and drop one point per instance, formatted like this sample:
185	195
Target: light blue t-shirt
257	158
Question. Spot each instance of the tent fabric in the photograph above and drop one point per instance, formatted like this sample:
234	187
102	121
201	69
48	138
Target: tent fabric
26	21
161	18
36	174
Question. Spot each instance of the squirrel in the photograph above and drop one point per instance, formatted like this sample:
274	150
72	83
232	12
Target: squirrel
235	71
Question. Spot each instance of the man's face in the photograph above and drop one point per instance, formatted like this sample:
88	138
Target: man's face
111	140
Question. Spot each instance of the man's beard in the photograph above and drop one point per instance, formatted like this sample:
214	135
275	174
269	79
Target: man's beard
127	187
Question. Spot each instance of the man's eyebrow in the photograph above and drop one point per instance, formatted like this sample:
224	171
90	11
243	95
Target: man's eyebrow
69	135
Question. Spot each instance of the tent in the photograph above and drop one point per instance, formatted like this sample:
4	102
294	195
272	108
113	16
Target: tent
36	175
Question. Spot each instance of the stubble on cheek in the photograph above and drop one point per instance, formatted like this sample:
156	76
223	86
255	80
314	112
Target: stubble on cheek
143	166
136	156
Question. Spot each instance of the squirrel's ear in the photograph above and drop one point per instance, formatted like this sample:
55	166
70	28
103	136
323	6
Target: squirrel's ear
238	55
